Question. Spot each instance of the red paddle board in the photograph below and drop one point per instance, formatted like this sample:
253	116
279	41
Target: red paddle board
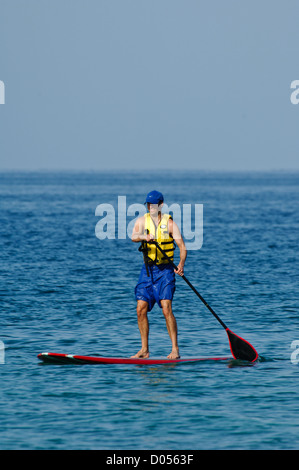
55	358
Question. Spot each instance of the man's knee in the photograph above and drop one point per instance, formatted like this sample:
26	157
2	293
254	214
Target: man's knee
166	307
142	308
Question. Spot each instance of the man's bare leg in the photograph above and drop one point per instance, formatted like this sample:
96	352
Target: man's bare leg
142	308
171	328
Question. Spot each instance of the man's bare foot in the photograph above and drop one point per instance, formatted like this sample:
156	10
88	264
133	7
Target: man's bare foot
174	354
142	354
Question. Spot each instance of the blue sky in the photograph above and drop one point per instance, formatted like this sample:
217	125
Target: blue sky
137	84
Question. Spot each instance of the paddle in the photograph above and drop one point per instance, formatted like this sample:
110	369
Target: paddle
239	347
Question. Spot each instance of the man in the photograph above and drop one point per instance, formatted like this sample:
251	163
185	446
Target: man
157	279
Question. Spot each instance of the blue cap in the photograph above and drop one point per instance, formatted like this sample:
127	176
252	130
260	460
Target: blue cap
154	197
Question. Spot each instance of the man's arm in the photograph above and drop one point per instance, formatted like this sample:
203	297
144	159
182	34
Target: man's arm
138	232
174	231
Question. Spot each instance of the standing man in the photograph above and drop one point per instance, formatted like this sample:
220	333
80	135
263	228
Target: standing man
157	279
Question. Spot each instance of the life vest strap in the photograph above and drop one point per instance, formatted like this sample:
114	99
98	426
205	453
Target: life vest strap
143	248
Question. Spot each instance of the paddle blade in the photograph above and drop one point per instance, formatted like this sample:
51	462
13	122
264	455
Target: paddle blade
240	348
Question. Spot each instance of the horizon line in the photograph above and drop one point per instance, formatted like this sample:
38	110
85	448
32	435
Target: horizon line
173	170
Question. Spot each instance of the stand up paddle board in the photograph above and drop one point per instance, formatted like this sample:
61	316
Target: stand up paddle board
55	358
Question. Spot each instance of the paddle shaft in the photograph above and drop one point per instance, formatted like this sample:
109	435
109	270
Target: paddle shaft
192	287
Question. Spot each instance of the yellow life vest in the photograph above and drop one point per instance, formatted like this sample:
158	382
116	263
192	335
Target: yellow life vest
162	236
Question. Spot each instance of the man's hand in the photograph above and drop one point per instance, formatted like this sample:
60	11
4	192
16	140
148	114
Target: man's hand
148	237
180	269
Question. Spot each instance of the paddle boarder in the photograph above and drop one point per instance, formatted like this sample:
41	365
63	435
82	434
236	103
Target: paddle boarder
157	279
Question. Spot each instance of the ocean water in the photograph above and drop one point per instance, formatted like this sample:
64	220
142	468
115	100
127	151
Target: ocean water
64	290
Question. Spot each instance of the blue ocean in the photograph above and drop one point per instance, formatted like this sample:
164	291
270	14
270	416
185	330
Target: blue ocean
64	290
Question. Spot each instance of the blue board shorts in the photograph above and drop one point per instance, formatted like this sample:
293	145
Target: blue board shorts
159	285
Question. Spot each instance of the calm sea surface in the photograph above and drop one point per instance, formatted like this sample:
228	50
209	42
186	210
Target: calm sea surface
64	290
